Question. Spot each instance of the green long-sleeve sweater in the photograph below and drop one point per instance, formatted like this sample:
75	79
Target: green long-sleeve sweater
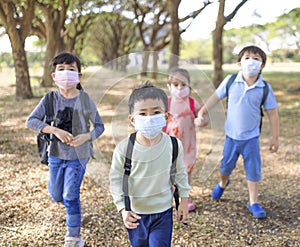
149	182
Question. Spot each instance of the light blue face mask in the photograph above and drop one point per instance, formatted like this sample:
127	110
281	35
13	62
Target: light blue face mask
251	67
150	126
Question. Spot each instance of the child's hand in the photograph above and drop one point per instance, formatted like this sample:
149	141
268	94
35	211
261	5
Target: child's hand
80	139
201	121
130	219
274	145
63	135
183	210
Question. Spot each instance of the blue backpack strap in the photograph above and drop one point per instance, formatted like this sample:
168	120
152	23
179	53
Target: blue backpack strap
127	170
266	92
265	95
228	85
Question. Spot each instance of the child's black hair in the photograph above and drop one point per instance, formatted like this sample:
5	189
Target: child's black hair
147	91
255	50
66	58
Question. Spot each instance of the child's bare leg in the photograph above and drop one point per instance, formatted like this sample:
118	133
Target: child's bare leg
253	205
190	178
191	206
218	190
253	191
224	180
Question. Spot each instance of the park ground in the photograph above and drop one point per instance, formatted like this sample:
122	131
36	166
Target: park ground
29	218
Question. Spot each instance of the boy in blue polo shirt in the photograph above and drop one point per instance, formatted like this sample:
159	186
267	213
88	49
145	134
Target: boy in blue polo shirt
242	123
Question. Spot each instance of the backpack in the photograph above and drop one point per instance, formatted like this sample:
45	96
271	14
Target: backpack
265	94
127	170
43	140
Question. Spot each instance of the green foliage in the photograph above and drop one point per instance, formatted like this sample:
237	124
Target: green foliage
35	58
281	38
111	37
197	51
6	60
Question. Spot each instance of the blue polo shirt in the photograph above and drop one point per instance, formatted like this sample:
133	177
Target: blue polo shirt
243	113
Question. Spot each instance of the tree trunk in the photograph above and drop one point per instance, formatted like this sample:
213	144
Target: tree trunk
217	74
54	43
18	31
154	64
23	88
146	55
47	80
175	34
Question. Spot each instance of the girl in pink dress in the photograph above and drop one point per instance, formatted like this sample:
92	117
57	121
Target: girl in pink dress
183	110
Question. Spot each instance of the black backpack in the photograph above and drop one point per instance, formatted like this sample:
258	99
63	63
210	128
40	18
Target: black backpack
43	140
127	170
265	94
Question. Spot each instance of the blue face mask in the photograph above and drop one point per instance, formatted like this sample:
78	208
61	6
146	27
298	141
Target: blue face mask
150	126
251	67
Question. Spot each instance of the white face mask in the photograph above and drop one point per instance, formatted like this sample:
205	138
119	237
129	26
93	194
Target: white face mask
251	67
150	126
66	79
181	94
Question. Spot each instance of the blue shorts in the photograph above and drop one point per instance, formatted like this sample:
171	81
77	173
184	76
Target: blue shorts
250	151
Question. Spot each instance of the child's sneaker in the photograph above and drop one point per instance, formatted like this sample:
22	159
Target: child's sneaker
73	242
217	192
191	206
257	211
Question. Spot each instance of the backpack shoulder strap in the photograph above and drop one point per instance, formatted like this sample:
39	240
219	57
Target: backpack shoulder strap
229	82
49	107
127	170
174	158
228	85
192	105
265	95
173	170
86	110
266	92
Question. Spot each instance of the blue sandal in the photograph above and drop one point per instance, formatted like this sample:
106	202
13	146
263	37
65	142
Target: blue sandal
257	211
218	191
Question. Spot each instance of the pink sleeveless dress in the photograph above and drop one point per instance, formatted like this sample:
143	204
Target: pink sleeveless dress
181	125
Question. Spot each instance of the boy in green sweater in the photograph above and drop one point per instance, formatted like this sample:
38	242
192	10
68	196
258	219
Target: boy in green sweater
150	220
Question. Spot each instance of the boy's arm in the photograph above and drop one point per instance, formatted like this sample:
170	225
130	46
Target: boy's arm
116	184
183	210
181	180
96	121
209	104
274	122
116	177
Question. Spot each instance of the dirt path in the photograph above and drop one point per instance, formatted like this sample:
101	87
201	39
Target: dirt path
29	218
